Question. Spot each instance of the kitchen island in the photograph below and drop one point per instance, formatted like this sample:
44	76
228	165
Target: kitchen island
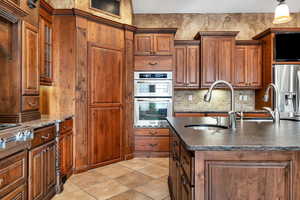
258	160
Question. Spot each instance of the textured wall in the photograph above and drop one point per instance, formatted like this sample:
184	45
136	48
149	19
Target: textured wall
189	24
126	9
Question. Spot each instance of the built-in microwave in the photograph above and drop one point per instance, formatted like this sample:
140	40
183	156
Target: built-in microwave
153	84
152	112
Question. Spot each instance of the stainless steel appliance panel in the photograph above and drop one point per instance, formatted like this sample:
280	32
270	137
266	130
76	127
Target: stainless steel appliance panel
286	77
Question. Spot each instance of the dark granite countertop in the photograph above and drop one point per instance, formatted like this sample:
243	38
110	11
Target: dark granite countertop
263	136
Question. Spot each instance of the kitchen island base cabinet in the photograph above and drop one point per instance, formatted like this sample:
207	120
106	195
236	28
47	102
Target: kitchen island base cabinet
236	175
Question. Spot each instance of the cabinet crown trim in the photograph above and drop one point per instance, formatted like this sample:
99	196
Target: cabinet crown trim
275	30
11	11
248	42
215	33
157	30
46	6
89	16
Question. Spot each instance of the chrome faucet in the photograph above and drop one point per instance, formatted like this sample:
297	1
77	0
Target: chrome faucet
274	113
231	113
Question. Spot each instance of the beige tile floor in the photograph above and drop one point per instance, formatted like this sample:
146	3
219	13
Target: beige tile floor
136	179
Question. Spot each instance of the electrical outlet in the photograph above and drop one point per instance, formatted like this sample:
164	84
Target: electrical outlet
190	97
241	97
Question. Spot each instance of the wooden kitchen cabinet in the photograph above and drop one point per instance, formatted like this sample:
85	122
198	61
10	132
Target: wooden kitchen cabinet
66	148
30	61
105	135
217	56
187	66
45	43
13	176
154	49
151	142
248	65
153	43
181	170
42	166
19	76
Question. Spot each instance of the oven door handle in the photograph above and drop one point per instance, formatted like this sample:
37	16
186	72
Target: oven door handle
158	101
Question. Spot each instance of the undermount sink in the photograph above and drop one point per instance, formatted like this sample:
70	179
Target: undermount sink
206	127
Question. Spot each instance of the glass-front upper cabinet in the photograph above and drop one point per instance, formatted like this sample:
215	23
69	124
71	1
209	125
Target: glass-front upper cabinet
46	45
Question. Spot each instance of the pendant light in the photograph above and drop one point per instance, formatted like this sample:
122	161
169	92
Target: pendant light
282	13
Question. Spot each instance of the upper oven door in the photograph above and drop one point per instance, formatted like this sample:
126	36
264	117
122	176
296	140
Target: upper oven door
153	88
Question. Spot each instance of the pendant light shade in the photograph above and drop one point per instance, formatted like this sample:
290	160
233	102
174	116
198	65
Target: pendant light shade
282	13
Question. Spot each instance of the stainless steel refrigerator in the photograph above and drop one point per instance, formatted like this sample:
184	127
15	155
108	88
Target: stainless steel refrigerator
287	78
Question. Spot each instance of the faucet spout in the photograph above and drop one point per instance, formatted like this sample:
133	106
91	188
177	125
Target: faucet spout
232	113
274	113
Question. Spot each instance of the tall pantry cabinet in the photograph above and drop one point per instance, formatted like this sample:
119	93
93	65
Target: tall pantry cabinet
101	52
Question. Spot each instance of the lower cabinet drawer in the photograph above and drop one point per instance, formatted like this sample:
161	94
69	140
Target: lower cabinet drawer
18	194
153	63
187	162
66	125
156	144
151	132
30	103
13	172
43	135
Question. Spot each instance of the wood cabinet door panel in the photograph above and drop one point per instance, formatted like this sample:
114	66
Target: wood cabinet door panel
13	172
209	59
49	161
36	173
143	44
225	56
254	65
248	180
163	44
18	194
180	66
30	59
240	72
105	76
105	133
193	67
66	153
46	51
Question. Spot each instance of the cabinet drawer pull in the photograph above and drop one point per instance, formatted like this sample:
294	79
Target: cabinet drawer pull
151	63
153	145
153	133
32	104
45	137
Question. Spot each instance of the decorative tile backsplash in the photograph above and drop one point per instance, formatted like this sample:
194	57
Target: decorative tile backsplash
192	100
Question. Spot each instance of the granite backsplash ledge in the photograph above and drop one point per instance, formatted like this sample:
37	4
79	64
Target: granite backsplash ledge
192	100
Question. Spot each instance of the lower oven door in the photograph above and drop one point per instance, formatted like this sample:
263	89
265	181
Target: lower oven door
152	112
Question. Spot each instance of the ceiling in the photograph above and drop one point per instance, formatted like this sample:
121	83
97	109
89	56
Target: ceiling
210	6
